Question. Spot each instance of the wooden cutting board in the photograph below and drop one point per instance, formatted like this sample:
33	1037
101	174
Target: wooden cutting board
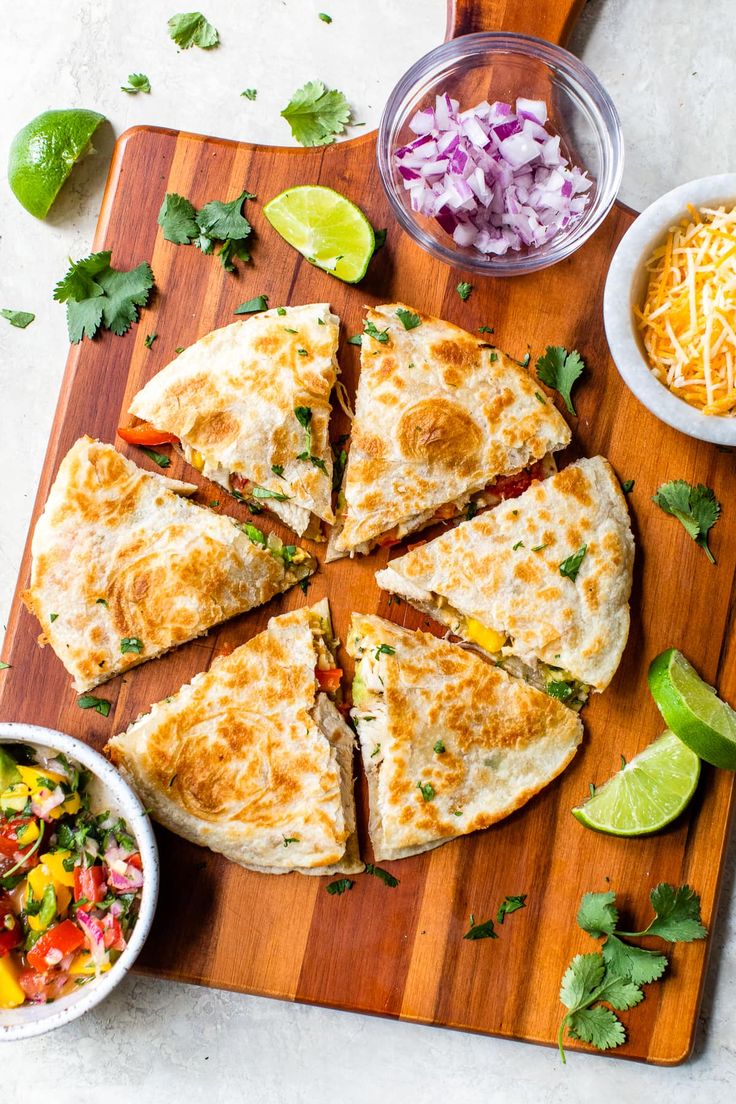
400	952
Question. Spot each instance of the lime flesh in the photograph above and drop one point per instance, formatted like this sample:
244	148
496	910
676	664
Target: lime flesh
647	793
45	151
693	710
326	228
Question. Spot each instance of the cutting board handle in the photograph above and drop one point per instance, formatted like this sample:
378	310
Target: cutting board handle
550	19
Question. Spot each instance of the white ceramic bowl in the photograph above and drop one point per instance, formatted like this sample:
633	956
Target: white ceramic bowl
108	791
626	288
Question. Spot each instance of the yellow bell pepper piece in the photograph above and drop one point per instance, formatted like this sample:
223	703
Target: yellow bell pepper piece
487	638
40	877
27	833
54	862
72	804
31	775
11	994
196	459
83	965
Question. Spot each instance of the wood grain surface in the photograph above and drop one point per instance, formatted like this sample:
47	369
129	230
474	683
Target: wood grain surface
400	952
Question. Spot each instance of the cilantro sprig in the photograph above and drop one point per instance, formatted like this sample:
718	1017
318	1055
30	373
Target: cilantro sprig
96	294
697	508
218	223
597	985
560	370
304	417
317	114
137	82
192	29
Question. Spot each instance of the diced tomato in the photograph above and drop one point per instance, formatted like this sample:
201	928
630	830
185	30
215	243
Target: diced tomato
511	486
135	860
9	841
33	984
113	933
89	883
57	942
239	483
145	434
328	680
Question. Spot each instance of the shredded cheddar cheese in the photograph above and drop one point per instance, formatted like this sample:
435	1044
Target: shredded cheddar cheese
688	322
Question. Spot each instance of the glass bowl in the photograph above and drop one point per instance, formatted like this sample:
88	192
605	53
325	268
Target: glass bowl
503	67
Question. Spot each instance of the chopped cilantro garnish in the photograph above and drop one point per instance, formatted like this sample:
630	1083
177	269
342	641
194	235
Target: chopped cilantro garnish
519	544
378	335
263	492
427	790
159	458
408	319
485	329
277	469
137	82
253	534
540	398
570	567
560	690
539	547
356	339
290	839
52	617
249	93
88	701
464	290
192	29
439	748
385	649
628	485
378	872
101	601
325	17
98	295
281	310
259	303
316	115
131	644
302	352
150	338
559	370
340	886
509	905
19	319
480	931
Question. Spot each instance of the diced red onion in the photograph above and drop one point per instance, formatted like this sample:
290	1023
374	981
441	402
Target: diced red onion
46	800
94	935
493	178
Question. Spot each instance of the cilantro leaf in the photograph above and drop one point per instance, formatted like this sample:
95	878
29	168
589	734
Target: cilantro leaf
131	644
509	905
316	114
137	82
381	336
408	319
581	979
225	220
263	492
340	886
192	29
464	290
633	963
383	875
259	303
253	534
427	791
356	339
697	508
325	17
96	293
559	689
88	701
677	914
559	370
150	338
598	1025
622	994
571	566
17	318
481	931
628	485
385	649
159	458
249	93
178	219
232	248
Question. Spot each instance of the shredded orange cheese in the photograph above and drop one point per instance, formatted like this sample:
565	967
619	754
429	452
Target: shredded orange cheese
688	322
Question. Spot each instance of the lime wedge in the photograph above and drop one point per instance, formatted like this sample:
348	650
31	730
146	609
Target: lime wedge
647	793
45	151
326	228
693	710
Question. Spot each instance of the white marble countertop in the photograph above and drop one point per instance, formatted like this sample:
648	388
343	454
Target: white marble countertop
669	66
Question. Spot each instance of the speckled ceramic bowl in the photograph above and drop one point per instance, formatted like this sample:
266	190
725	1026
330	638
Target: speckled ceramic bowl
108	791
626	288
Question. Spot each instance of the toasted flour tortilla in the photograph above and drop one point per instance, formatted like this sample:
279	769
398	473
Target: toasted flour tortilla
439	416
501	572
230	399
250	759
450	743
125	568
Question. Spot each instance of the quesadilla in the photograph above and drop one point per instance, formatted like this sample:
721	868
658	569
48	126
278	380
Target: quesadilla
251	758
450	743
125	568
250	405
442	419
541	583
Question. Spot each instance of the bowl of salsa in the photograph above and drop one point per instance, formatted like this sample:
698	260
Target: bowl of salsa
78	879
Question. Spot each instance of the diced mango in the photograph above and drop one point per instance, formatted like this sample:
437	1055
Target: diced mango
488	639
72	804
83	965
11	994
27	833
40	877
196	459
54	861
30	776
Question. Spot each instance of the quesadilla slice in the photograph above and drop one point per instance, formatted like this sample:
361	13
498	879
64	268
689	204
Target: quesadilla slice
444	424
450	743
251	758
250	406
125	568
541	583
